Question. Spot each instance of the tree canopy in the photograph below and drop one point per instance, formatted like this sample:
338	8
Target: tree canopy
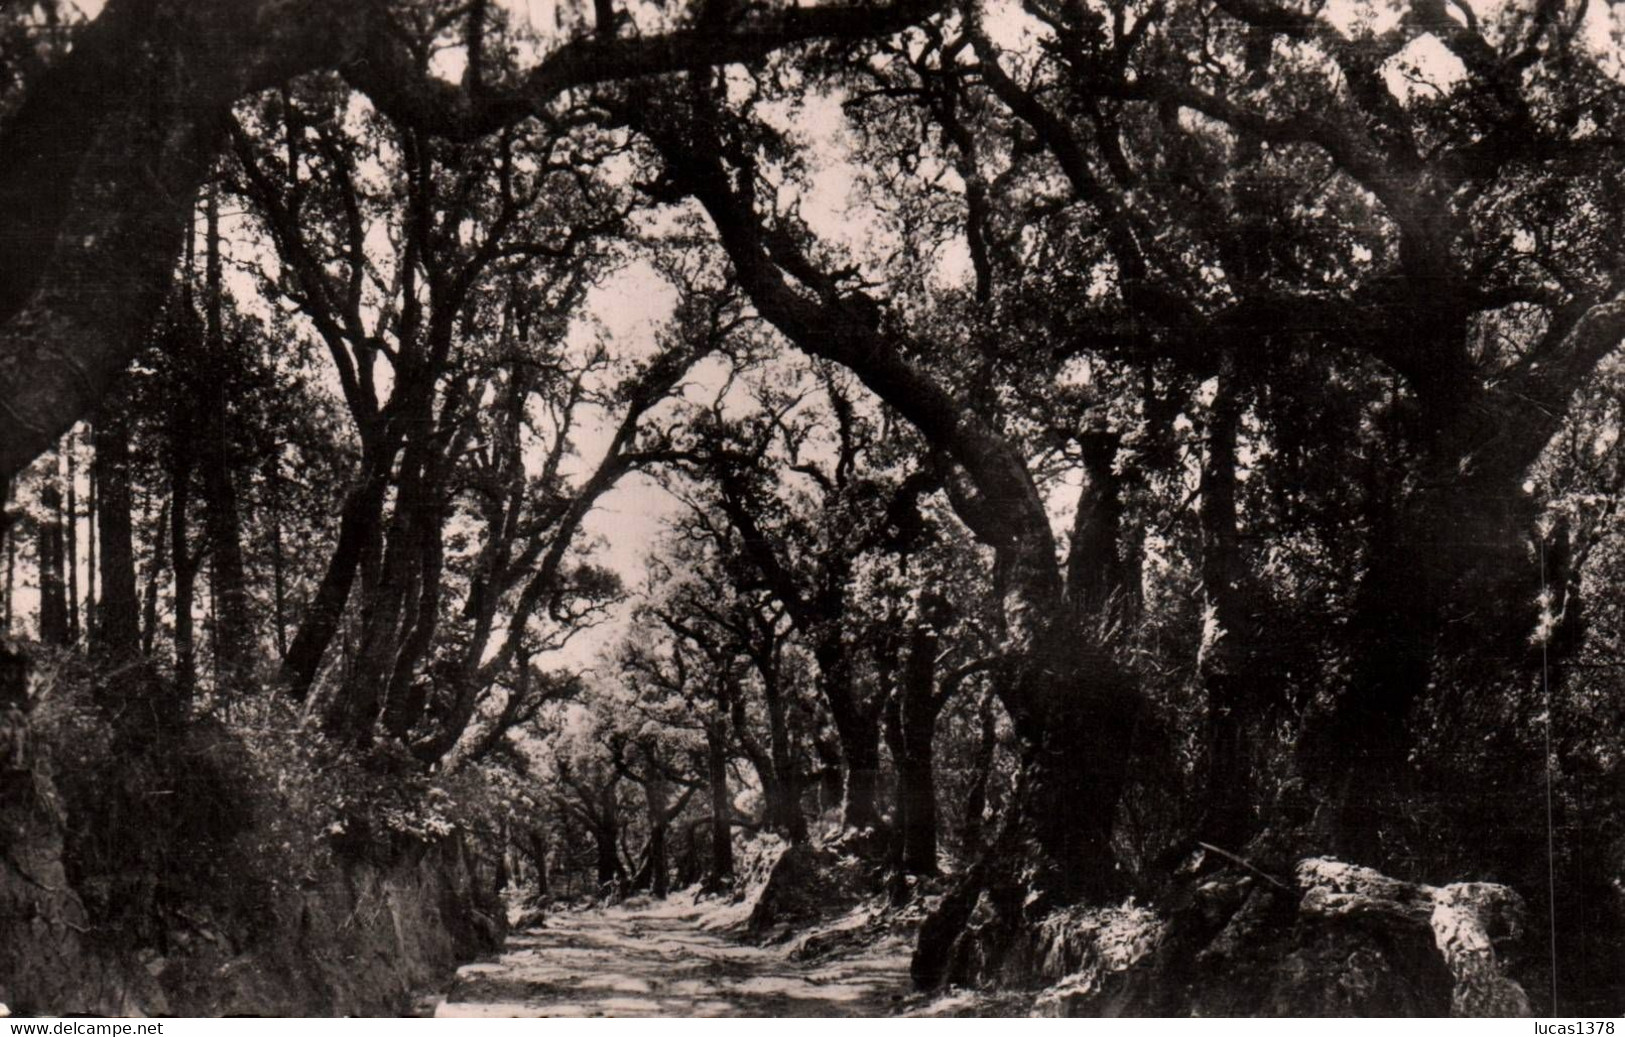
1167	424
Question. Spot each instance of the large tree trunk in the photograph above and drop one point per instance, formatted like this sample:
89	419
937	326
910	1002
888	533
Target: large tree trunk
400	607
610	871
504	876
981	774
155	573
358	528
184	562
784	794
53	606
609	861
1239	683
279	578
916	728
536	849
70	535
655	862
421	620
831	773
360	701
719	871
1445	555
688	859
233	631
118	624
859	731
1055	847
1451	578
11	570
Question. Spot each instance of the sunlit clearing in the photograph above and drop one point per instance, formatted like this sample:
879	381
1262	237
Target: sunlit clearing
1010	28
1425	66
1357	17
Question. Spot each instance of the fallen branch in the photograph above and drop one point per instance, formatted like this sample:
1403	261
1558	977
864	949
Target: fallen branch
1227	855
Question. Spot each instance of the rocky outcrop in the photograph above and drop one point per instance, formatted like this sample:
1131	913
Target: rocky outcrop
1466	919
1339	939
1092	950
362	942
791	885
356	938
49	959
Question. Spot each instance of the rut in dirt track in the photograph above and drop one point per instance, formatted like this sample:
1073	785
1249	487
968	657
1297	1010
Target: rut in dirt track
659	961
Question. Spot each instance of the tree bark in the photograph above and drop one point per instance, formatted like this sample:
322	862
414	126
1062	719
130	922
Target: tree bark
118	624
358	528
857	727
831	773
720	868
184	563
1456	537
384	605
606	830
279	578
11	570
609	858
982	772
233	630
536	847
784	795
53	607
654	875
70	535
503	876
1100	582
1239	683
916	727
92	540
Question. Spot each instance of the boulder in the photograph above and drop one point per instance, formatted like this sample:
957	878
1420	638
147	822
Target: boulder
1338	940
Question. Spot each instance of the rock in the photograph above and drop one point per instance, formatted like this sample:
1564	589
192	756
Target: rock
1340	940
803	884
1333	889
1465	918
1467	921
1093	948
528	918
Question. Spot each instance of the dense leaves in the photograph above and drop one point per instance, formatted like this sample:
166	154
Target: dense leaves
1082	435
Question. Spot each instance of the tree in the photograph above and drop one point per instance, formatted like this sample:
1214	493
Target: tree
102	182
1220	387
118	618
53	607
1232	274
806	548
743	633
689	680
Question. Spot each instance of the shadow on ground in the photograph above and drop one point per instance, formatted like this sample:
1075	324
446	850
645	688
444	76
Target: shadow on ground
660	961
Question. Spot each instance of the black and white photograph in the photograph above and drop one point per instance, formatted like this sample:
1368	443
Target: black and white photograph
811	508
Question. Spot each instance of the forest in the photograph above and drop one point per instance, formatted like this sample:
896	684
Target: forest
1068	507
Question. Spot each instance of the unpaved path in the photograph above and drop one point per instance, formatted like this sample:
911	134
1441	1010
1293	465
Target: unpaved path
659	961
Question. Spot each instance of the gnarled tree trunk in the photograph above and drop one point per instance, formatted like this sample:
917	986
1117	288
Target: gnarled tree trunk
720	867
118	623
53	604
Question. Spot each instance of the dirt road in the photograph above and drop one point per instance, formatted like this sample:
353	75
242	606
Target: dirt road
661	960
